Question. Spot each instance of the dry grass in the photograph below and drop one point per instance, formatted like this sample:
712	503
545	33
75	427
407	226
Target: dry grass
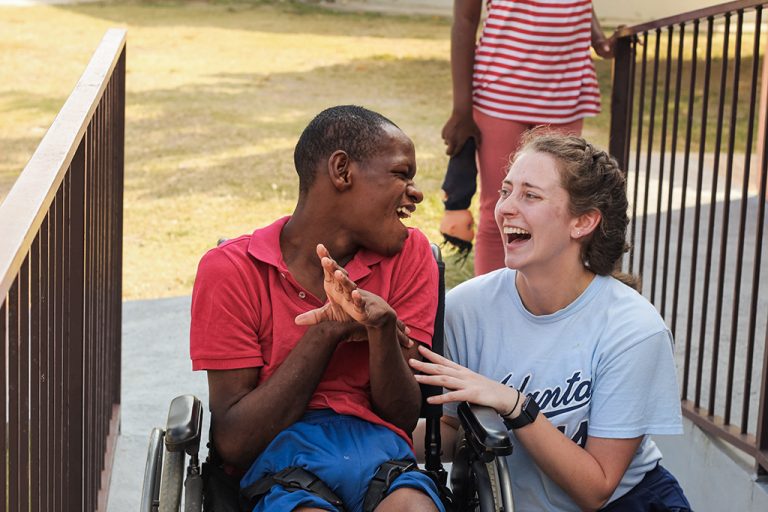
217	95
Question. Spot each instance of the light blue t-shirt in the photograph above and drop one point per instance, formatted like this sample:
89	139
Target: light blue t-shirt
603	367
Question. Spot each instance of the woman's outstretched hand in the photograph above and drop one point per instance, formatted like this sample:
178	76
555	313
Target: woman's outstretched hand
462	384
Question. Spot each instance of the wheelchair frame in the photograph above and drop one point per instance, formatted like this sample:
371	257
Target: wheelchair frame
479	477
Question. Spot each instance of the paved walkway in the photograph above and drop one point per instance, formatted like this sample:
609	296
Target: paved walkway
156	368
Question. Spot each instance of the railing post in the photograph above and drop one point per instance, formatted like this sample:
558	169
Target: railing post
75	334
621	98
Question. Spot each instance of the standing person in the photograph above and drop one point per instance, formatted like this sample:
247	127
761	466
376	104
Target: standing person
532	66
305	385
578	364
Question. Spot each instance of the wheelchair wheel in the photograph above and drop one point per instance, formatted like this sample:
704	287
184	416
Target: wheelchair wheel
171	481
479	486
152	472
485	482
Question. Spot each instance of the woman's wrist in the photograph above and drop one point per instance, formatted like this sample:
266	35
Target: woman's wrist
511	409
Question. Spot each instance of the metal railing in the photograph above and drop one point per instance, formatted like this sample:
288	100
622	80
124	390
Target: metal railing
60	301
688	124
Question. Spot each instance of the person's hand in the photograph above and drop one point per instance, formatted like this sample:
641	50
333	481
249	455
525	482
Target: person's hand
356	332
457	130
463	384
604	46
348	303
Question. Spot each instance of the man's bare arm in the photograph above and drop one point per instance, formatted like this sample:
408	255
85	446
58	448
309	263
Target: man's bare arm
247	416
395	393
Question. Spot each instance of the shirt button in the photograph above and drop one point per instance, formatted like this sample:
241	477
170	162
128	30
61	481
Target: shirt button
302	295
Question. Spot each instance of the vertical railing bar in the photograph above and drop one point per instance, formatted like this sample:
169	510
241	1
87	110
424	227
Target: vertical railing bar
57	432
726	218
103	415
118	240
683	206
23	361
34	373
77	257
103	411
89	355
89	233
631	99
4	341
15	486
99	311
662	156
621	105
697	210
748	365
672	166
93	309
649	157
641	109
81	235
96	307
107	354
45	377
101	434
100	409
68	431
117	236
712	212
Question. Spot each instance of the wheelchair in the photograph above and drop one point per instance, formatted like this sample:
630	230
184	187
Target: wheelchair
479	477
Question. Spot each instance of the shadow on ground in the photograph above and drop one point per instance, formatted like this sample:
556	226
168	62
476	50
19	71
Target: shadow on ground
269	16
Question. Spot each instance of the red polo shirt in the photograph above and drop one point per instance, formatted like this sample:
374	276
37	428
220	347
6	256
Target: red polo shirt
245	300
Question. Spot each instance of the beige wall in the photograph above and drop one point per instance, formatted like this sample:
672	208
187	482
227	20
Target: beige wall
646	10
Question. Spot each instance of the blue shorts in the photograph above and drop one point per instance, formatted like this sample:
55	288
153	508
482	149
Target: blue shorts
343	451
658	491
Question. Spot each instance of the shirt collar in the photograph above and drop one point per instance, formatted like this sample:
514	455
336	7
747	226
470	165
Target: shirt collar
265	246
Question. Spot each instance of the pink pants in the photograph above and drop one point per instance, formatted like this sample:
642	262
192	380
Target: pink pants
501	139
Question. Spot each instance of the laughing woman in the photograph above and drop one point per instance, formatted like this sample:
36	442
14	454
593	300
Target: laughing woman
578	363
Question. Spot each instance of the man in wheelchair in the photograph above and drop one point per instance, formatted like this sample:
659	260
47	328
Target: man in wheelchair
305	328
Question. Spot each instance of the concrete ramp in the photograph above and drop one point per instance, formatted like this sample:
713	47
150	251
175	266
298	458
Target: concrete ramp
156	368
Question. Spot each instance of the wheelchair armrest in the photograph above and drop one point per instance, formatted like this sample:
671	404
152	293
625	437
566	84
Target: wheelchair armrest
485	430
184	426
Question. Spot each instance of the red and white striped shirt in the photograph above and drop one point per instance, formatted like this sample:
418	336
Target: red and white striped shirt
533	62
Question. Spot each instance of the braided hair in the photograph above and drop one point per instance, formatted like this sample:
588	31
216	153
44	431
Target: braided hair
593	181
